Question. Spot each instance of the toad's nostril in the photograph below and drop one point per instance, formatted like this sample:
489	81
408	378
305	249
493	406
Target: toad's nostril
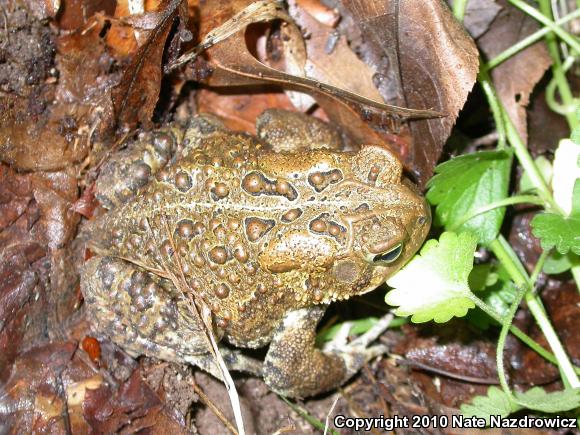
422	220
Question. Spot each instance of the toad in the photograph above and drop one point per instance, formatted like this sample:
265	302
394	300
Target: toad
264	231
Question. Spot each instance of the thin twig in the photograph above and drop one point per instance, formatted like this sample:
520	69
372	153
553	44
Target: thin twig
205	318
217	412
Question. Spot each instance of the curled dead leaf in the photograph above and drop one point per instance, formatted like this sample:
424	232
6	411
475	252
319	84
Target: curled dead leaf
234	65
420	63
135	97
239	112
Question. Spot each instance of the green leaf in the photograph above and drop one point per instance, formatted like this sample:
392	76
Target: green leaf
559	263
559	231
556	230
498	403
434	284
497	291
466	183
495	403
538	399
482	276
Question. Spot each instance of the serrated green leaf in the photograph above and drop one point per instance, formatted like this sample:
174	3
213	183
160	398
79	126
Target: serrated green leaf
538	399
495	403
555	230
434	284
498	403
466	183
559	263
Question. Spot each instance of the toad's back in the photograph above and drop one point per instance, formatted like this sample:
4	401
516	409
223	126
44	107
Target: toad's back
255	232
266	239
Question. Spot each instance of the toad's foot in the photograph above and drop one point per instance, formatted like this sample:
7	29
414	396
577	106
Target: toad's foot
294	367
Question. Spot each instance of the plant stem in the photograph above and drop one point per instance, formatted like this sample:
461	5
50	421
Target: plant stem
508	258
556	106
529	341
537	15
557	70
518	274
494	104
539	266
528	163
501	343
517	199
529	40
541	318
459	7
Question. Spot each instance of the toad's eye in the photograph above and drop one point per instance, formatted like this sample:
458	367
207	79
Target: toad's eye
391	255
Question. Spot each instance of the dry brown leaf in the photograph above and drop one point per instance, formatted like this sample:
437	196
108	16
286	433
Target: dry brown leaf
55	194
515	78
132	408
74	14
21	134
234	65
239	111
320	12
330	59
18	251
82	63
37	219
420	63
122	38
34	400
136	95
545	127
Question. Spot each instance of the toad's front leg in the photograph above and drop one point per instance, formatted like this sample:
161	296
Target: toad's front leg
295	367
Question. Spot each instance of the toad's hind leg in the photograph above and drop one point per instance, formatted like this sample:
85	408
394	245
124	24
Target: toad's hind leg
144	314
294	367
295	131
132	168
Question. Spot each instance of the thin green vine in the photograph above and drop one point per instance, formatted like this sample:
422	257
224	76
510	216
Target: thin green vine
505	327
529	40
505	254
537	15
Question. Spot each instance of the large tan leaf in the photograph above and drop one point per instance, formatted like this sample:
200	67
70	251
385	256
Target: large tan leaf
423	59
